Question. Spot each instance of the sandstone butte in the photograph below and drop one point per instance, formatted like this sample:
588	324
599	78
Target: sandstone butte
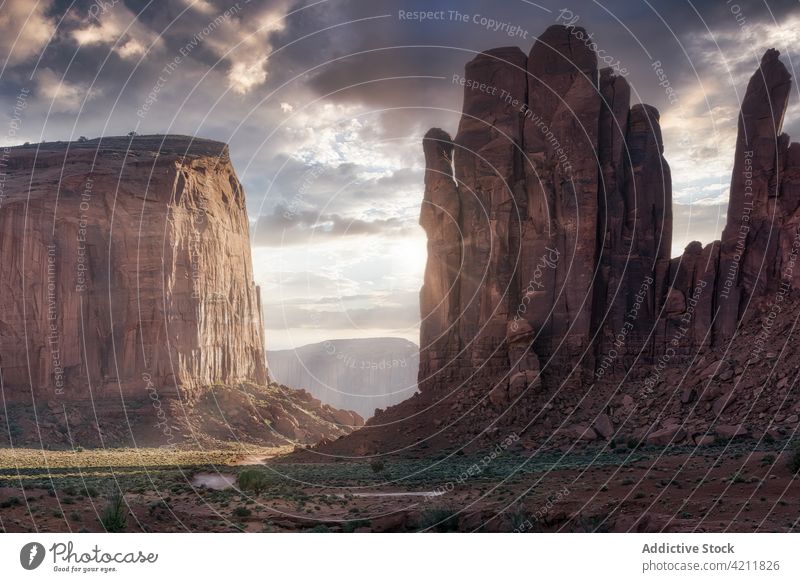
128	308
551	307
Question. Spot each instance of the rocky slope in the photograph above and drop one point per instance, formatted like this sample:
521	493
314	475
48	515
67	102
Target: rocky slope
551	307
126	285
353	374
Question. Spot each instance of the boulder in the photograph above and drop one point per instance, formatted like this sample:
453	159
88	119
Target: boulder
703	440
603	426
583	432
672	434
725	431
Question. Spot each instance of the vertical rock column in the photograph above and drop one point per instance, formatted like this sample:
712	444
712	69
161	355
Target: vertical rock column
647	231
439	297
487	169
750	240
561	177
610	300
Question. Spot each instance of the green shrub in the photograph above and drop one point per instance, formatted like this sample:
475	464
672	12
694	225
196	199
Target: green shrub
114	516
520	520
738	478
10	502
377	465
242	512
439	520
253	480
156	506
794	460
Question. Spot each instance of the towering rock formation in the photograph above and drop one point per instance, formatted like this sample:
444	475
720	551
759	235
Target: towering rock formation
126	259
560	142
126	293
635	227
549	278
559	209
565	227
440	216
564	224
756	230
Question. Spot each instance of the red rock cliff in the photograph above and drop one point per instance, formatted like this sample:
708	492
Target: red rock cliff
549	222
551	307
126	269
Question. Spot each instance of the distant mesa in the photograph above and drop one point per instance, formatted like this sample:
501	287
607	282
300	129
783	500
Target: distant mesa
352	374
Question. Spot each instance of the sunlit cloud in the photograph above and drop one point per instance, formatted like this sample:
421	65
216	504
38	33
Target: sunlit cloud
25	29
117	27
60	95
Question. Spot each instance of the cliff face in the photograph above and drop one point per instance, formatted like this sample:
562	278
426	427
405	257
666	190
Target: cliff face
563	202
550	303
126	268
761	222
126	292
557	216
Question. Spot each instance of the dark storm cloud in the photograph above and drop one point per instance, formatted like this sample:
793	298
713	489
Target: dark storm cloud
433	52
637	34
637	39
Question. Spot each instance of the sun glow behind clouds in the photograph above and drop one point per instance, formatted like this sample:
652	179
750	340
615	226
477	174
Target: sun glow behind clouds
355	287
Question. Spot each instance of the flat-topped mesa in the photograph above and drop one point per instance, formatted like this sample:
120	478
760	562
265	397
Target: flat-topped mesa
552	171
126	269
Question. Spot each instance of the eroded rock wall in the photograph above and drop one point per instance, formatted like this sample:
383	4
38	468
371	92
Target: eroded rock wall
126	268
550	233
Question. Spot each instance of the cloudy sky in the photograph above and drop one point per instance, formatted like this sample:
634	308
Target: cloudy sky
324	104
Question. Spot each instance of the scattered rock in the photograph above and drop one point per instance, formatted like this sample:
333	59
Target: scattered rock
668	435
725	431
703	440
603	426
584	433
721	403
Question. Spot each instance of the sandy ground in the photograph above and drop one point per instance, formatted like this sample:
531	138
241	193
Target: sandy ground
739	488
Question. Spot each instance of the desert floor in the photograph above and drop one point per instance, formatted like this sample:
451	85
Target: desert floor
738	486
